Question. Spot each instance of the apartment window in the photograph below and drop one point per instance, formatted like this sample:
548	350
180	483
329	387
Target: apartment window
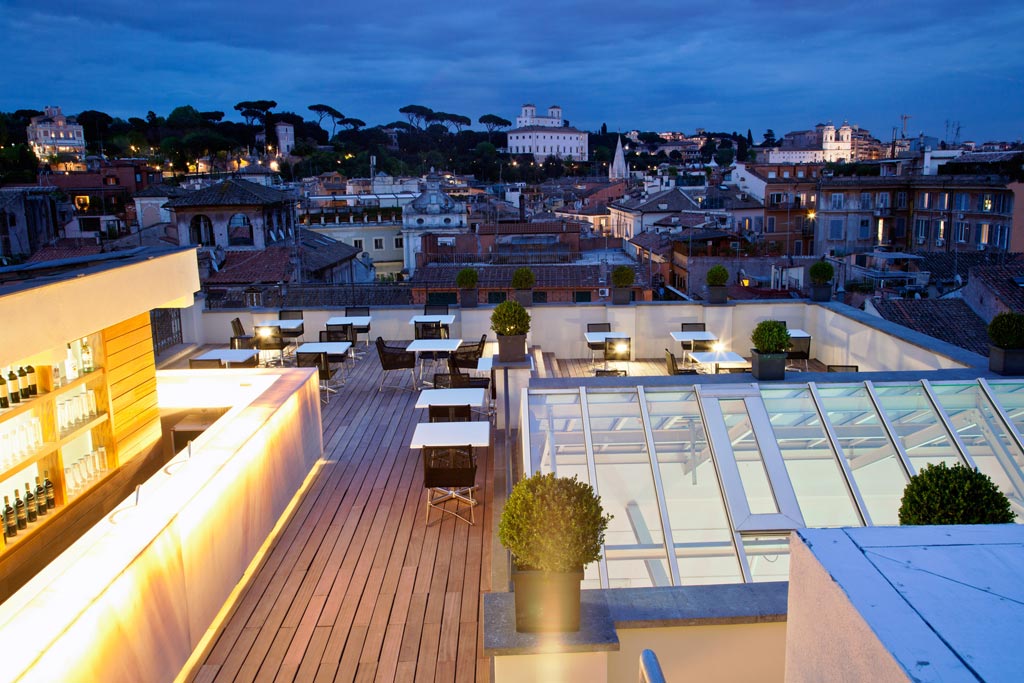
110	180
882	200
540	296
985	202
865	200
943	203
924	200
865	228
798	248
921	230
399	243
378	243
837	201
785	174
771	174
496	297
901	200
835	229
771	224
940	229
999	234
582	297
759	224
799	174
358	244
961	231
981	235
962	201
776	198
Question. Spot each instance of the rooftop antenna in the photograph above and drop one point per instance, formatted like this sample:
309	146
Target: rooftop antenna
905	118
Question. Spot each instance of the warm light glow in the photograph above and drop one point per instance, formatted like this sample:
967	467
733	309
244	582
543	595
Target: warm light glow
811	215
718	347
621	347
264	331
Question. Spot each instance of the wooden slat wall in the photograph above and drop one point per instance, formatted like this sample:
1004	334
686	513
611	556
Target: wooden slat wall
131	375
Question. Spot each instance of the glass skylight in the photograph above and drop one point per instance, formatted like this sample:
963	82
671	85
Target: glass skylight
705	482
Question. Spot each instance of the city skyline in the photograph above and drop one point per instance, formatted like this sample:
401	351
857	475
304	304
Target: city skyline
661	66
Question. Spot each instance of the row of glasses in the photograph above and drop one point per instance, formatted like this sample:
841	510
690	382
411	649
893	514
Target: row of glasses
19	440
80	474
76	410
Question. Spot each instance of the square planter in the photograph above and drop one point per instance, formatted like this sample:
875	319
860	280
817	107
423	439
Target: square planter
1006	361
547	602
524	297
821	293
621	295
717	294
766	367
511	348
468	298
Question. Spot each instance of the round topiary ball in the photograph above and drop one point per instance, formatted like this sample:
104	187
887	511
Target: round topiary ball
953	495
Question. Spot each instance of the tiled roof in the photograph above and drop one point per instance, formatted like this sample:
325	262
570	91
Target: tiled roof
682	220
499	277
272	264
1000	279
674	200
65	248
539	228
231	192
950	320
657	242
320	251
943	266
162	190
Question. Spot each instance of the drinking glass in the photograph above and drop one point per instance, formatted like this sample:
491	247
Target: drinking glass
69	480
62	415
92	403
101	458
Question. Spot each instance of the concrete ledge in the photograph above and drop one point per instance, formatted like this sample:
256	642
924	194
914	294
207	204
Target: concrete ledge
604	612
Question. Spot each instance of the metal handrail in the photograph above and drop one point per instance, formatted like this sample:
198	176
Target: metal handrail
650	668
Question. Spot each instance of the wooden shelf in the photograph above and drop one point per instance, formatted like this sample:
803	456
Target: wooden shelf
81	429
45	396
33	527
48	448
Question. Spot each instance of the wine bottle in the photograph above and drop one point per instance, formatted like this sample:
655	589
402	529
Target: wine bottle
70	366
13	388
87	365
41	506
48	485
4	401
33	389
19	510
30	504
23	383
10	524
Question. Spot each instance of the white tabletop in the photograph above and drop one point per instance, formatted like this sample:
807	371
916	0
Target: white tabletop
725	359
353	320
696	335
228	355
486	363
443	319
324	347
451	397
434	345
600	337
452	434
283	324
796	333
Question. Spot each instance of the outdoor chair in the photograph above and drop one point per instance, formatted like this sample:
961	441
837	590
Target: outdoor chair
842	368
199	363
673	367
449	474
268	338
292	314
305	359
238	333
697	345
335	336
363	312
462	379
344	333
449	413
800	349
395	358
597	346
618	349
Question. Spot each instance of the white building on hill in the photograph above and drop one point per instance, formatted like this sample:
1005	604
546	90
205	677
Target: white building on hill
547	136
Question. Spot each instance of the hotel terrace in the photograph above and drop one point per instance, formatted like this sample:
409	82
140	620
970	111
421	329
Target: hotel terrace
236	524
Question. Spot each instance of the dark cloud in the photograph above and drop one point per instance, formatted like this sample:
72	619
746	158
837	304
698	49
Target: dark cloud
652	64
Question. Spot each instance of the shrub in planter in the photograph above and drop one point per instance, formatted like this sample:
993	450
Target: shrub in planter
466	281
953	495
622	278
1006	352
554	527
510	322
821	278
768	357
523	281
716	278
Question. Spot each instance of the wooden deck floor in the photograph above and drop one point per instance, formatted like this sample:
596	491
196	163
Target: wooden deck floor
357	587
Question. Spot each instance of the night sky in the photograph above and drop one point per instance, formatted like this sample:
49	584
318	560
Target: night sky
647	64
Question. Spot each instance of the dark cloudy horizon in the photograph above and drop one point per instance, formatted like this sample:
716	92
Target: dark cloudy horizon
651	64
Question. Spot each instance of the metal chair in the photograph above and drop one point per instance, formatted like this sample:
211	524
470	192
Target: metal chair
449	474
292	314
361	312
428	330
697	345
335	336
238	333
269	338
597	346
799	349
449	413
842	368
462	379
306	359
200	363
345	332
673	367
395	358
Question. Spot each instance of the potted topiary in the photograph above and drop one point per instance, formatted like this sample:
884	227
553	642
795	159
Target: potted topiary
821	281
953	495
1006	352
768	357
466	282
522	283
510	322
554	527
623	278
717	277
